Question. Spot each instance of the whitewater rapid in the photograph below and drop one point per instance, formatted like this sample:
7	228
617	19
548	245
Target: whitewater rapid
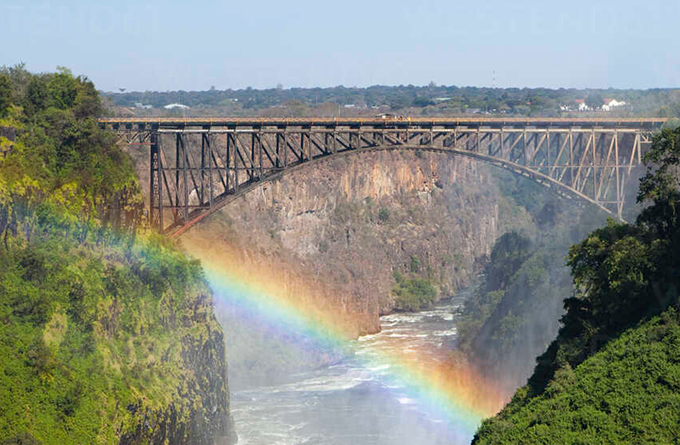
350	403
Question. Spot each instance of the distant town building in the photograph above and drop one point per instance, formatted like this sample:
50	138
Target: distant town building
581	104
172	106
609	104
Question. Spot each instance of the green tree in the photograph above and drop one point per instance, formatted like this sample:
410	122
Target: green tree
5	94
37	95
413	294
415	264
661	184
594	100
421	101
523	110
63	88
21	439
400	101
85	310
87	102
508	254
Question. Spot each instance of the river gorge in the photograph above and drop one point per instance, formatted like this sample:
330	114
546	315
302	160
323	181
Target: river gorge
314	246
359	400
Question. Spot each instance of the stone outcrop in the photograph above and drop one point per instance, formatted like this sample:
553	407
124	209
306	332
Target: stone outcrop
201	415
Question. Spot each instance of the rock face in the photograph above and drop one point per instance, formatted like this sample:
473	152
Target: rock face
207	422
345	225
191	353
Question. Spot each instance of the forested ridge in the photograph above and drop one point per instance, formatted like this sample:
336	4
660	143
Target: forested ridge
611	375
104	324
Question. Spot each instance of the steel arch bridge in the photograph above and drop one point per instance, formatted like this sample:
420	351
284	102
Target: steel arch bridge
198	165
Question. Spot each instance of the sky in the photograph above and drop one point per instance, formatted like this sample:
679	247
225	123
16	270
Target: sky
194	45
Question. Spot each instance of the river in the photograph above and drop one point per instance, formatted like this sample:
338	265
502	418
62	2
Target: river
351	403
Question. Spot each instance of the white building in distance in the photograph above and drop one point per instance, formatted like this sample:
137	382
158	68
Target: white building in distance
172	106
609	104
582	105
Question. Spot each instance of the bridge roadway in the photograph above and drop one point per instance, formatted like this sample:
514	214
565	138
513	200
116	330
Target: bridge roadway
493	122
200	164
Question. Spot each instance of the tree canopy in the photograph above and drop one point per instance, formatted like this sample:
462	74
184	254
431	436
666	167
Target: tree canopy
59	164
414	100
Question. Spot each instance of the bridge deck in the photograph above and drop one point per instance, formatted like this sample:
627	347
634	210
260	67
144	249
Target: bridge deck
172	122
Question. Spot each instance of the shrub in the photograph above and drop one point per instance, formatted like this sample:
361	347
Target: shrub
415	264
413	294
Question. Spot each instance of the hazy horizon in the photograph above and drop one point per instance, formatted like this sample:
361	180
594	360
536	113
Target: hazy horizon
167	46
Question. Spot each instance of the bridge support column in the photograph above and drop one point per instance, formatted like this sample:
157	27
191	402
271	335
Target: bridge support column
619	200
155	186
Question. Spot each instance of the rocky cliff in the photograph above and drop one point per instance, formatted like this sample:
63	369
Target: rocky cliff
346	227
348	223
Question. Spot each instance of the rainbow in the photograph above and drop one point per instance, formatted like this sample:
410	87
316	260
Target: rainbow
455	393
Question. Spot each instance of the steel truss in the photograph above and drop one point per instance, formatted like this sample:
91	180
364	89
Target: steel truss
195	171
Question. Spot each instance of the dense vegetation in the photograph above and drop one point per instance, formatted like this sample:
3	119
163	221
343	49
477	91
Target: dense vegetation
98	319
58	166
414	100
627	393
513	314
90	335
611	373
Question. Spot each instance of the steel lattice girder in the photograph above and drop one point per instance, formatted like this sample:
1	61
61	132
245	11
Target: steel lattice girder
210	165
